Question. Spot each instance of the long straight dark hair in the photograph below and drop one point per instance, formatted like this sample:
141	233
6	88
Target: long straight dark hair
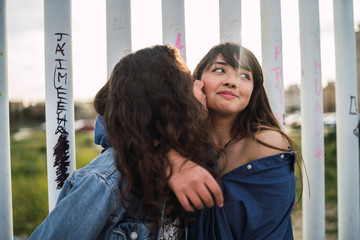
258	115
149	108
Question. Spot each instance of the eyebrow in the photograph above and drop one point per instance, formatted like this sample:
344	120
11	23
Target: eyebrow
220	63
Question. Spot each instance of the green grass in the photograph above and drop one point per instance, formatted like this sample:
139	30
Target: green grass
330	181
330	168
330	163
29	177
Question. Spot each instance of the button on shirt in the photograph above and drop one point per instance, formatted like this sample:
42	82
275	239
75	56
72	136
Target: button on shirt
258	200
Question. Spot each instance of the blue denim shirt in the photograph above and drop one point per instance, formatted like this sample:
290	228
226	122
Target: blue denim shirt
89	206
258	200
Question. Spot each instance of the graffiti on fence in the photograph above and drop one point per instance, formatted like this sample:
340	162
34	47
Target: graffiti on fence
178	44
61	148
318	114
353	107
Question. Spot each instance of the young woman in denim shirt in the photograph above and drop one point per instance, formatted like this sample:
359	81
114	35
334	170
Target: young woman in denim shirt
149	112
255	158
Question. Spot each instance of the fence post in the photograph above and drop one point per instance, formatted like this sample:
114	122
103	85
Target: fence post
118	31
173	24
60	134
230	20
6	222
312	127
271	42
347	132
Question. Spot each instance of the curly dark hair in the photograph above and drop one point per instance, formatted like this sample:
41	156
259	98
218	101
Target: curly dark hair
149	108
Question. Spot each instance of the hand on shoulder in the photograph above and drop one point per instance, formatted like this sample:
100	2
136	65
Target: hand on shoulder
192	184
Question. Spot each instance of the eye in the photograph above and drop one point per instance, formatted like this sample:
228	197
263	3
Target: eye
244	75
219	70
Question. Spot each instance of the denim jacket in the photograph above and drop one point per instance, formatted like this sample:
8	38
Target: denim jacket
89	207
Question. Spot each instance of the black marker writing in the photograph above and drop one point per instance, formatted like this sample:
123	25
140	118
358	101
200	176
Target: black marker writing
61	149
61	154
353	108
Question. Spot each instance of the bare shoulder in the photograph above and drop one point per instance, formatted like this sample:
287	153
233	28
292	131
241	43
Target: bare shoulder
270	142
273	138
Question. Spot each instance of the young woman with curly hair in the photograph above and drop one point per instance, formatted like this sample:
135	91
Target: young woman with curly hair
149	111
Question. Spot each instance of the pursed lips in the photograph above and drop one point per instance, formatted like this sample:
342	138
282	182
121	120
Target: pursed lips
227	94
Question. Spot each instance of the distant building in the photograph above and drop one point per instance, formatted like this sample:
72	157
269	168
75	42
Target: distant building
35	113
16	106
329	97
16	110
292	93
84	110
292	99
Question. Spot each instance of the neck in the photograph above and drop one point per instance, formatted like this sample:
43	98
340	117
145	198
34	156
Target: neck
221	131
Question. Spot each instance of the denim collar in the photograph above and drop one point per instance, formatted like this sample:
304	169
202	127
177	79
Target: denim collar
100	137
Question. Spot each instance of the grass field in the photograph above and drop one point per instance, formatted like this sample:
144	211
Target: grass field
331	228
29	178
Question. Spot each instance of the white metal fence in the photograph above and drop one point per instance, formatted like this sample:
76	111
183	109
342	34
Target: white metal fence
60	107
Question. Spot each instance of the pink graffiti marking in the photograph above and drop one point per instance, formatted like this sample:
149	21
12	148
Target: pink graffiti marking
317	66
318	127
178	44
318	87
278	50
279	117
279	78
319	152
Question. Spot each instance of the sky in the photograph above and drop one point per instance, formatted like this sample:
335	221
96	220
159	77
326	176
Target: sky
25	40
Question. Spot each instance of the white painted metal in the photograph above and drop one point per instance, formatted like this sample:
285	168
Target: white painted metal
6	222
347	131
60	134
312	127
173	24
118	31
271	42
230	20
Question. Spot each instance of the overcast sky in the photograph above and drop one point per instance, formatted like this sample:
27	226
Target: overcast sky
25	29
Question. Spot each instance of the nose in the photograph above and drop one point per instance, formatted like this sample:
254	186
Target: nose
231	81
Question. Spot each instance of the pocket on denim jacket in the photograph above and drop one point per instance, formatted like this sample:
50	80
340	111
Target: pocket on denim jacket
131	231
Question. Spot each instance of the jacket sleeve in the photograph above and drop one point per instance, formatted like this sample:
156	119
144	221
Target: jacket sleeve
83	208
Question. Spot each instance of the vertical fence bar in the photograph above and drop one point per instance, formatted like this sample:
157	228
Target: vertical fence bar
347	131
173	24
118	31
60	134
6	222
312	127
230	20
271	42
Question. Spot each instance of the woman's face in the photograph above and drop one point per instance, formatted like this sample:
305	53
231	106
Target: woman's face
227	90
